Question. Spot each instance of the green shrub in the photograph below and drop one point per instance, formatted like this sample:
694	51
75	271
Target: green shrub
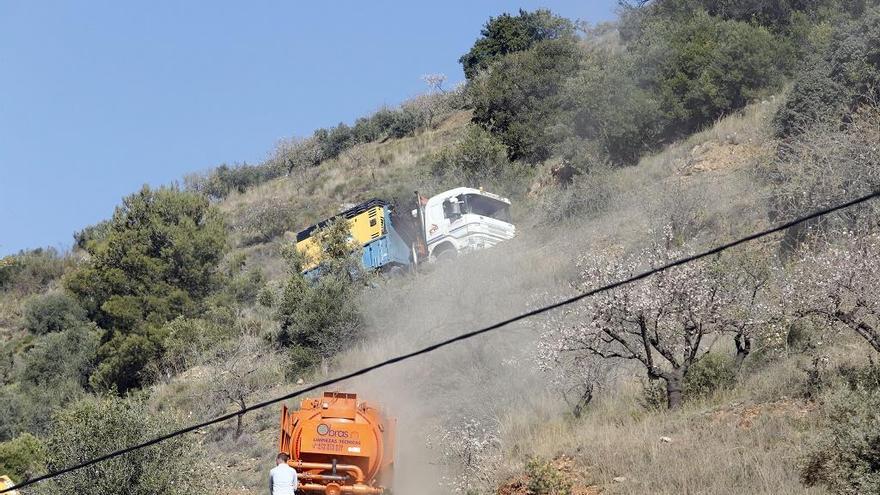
320	315
590	194
31	271
801	337
27	408
779	16
225	179
48	373
653	395
406	122
22	457
708	375
93	427
622	124
702	67
367	129
122	361
298	361
861	377
187	342
91	234
52	312
844	75
826	164
245	286
508	34
815	97
520	99
14	412
266	297
335	140
323	314
68	355
846	457
159	261
477	156
545	479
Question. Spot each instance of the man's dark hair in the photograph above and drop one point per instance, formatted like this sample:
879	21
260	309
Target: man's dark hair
283	457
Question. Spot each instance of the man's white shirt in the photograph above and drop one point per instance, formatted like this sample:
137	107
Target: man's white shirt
282	480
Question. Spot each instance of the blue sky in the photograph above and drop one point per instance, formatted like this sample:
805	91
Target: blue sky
100	97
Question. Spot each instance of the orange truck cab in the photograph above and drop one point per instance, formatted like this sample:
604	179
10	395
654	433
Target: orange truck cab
338	445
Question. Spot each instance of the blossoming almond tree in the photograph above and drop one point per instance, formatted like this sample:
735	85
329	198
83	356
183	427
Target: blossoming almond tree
755	310
471	450
666	322
575	376
838	285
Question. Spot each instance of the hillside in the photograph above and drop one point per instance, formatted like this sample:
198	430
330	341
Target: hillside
502	379
708	183
681	126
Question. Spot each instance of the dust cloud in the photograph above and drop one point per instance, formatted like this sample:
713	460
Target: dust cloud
493	379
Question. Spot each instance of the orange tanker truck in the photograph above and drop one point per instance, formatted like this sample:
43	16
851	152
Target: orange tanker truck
339	446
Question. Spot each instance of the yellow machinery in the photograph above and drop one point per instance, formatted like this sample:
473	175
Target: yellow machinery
366	222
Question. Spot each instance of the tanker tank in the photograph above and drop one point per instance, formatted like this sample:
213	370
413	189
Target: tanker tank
339	446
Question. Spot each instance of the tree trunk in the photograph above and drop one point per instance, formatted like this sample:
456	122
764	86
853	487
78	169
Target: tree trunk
674	388
239	420
743	348
583	401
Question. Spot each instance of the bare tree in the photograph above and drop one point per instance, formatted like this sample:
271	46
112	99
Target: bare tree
294	153
435	82
246	367
265	219
838	285
667	322
360	160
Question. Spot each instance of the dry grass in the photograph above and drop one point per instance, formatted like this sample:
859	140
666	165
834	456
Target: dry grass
751	439
730	444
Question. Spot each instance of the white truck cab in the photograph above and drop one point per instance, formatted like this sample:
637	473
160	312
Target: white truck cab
463	219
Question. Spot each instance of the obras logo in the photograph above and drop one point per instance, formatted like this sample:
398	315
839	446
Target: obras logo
326	431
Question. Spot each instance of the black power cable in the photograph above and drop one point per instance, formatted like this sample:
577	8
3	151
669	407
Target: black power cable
458	338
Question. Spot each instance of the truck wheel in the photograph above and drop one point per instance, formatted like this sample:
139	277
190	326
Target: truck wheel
447	255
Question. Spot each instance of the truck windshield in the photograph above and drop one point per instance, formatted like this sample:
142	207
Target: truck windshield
487	207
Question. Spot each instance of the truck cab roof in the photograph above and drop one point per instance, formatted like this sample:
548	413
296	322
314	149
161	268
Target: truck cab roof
459	191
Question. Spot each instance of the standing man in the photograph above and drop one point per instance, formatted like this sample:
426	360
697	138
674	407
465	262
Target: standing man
282	478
